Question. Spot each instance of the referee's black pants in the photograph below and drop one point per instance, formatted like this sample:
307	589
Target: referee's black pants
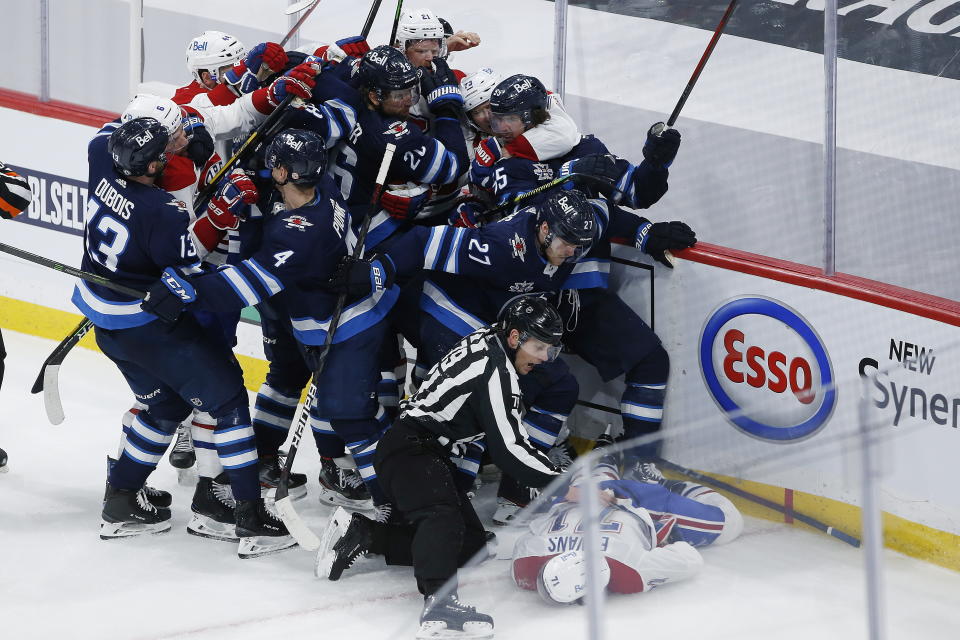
440	531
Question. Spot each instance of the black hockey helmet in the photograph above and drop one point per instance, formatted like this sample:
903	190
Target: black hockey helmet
569	217
520	95
385	69
300	152
136	143
533	317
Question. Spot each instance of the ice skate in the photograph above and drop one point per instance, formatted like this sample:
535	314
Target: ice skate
260	532
343	541
213	511
270	467
157	497
446	618
182	456
128	512
646	472
341	485
511	498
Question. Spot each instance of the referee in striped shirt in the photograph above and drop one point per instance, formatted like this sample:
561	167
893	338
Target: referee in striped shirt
472	393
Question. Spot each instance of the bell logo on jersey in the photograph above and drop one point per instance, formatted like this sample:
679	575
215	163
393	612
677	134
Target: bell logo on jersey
767	369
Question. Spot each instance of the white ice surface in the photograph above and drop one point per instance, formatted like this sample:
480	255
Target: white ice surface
59	580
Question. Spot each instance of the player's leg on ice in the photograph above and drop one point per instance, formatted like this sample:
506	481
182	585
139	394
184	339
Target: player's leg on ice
614	339
213	504
340	481
157	497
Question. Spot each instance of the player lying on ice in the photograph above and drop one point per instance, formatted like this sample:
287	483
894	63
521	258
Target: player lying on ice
647	534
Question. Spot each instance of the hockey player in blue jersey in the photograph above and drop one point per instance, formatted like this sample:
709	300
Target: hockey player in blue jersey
133	230
560	247
388	83
304	240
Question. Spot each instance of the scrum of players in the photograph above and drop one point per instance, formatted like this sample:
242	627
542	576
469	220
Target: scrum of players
484	276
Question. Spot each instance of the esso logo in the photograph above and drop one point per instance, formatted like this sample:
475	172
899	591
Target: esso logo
767	369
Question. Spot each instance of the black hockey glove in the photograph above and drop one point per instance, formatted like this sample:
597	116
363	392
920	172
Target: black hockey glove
599	172
441	90
169	296
653	238
661	149
200	145
358	278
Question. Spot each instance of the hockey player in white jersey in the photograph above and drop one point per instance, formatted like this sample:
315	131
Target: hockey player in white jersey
647	533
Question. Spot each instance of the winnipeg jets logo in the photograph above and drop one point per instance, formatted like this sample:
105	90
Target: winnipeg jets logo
521	287
297	222
542	171
519	247
398	129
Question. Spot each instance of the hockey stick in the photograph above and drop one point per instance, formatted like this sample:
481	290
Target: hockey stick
296	26
71	271
396	22
48	380
374	9
304	536
720	484
700	65
486	216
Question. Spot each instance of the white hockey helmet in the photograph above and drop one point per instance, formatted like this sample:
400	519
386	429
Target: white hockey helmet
146	105
478	86
212	50
563	579
420	24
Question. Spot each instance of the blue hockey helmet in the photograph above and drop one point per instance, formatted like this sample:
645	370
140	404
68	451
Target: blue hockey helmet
519	95
533	317
300	152
136	143
569	217
384	69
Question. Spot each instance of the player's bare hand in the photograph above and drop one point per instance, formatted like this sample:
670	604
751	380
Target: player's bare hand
462	40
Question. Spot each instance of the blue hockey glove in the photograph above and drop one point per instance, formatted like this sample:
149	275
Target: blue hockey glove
169	296
358	278
597	171
653	238
441	89
660	150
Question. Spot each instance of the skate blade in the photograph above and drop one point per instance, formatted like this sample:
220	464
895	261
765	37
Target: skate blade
270	493
205	527
337	499
257	546
113	530
471	631
337	526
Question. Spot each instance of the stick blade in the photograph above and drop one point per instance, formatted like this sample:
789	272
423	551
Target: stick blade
38	383
295	524
51	394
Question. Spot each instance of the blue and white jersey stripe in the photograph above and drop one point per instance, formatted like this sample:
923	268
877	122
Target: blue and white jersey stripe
250	281
438	304
109	314
588	273
443	166
359	316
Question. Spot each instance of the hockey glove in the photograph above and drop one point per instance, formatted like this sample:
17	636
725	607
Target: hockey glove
241	80
597	171
354	47
168	297
481	169
199	140
270	54
405	201
227	208
467	212
653	238
358	278
299	82
660	150
441	89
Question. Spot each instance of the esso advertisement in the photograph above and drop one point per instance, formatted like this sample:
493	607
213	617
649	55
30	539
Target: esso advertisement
767	369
